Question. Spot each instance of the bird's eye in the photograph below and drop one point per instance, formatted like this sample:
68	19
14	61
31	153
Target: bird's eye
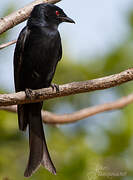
57	13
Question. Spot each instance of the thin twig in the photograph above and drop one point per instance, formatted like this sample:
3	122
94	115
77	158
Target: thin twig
20	15
7	44
51	118
68	89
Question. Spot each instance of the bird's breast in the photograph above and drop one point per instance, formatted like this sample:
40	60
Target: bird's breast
40	58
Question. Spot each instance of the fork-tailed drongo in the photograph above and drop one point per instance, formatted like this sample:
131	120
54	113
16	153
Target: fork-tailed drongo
37	53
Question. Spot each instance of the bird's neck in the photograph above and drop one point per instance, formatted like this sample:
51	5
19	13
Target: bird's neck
37	23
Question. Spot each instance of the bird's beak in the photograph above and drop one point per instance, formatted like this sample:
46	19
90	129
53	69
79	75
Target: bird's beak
67	19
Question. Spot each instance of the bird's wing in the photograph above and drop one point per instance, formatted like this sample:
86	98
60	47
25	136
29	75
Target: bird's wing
18	60
18	56
60	49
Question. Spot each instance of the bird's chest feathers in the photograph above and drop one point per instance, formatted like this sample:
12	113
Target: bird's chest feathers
42	46
42	55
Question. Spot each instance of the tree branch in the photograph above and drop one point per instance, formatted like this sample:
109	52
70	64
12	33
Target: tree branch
20	15
67	89
7	44
51	118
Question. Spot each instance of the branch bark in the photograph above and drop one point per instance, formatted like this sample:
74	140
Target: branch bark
7	44
20	15
67	89
51	118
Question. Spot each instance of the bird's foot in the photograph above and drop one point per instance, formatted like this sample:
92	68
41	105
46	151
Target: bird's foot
55	86
28	93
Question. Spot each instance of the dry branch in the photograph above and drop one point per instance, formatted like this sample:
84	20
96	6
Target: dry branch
7	44
20	15
68	89
51	118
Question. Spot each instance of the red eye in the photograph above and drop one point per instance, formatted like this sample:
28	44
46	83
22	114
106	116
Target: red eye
57	13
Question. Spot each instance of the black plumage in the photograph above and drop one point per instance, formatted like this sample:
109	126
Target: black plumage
37	52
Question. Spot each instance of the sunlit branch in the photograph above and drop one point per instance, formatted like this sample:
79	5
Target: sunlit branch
67	89
51	118
7	44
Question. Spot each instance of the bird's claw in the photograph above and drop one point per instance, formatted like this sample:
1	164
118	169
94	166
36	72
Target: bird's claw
55	86
28	93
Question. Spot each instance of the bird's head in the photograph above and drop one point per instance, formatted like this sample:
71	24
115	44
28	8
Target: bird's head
50	14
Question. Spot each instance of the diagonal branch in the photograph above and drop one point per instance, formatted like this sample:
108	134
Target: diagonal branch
51	118
68	89
7	44
20	15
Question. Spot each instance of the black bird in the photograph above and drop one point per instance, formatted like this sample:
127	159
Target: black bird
36	55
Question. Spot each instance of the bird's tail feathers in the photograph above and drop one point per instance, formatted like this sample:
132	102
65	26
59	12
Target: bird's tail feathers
46	160
22	111
38	148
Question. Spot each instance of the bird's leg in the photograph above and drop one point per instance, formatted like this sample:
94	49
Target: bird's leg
55	86
28	93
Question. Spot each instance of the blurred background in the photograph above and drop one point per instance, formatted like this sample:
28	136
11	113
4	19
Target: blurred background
96	148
